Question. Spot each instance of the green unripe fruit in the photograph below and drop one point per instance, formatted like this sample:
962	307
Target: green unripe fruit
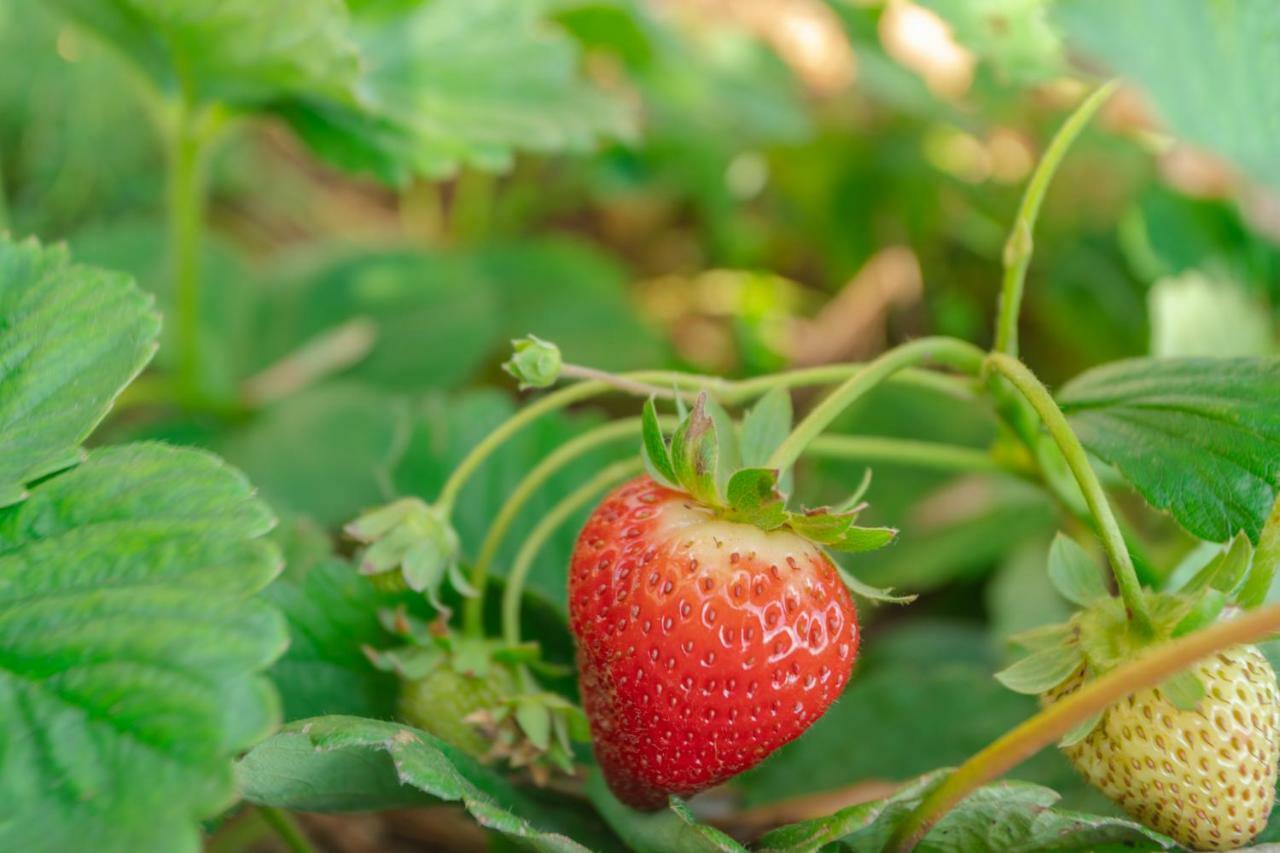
441	701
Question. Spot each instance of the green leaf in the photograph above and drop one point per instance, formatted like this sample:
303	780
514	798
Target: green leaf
674	830
339	763
1013	817
332	612
1074	573
245	54
132	650
1266	559
695	454
754	498
1211	72
765	427
71	338
1042	670
1184	690
657	456
1199	437
458	82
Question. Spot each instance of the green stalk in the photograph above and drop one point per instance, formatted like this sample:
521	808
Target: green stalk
1078	461
294	839
554	462
1018	249
949	351
548	525
921	454
188	137
1153	667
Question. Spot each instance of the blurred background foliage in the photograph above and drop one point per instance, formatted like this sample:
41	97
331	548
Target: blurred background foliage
726	186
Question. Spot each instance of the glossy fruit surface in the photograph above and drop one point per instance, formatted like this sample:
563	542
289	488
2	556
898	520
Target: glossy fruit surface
1206	777
703	644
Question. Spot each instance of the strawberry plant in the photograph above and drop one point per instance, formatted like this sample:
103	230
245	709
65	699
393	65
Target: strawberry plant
405	449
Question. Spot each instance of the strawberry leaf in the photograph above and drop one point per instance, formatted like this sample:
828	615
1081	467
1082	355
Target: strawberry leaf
657	456
133	648
765	427
694	454
71	337
340	763
1073	572
754	498
1042	670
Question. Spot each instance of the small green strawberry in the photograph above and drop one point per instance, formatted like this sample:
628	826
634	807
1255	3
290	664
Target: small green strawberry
1205	778
1194	758
444	702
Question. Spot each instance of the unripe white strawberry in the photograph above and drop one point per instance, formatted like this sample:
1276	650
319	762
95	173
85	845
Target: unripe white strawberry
1205	777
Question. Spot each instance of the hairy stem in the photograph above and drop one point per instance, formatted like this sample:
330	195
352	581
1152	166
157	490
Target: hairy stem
1018	249
1151	668
294	839
1095	497
949	351
922	454
548	525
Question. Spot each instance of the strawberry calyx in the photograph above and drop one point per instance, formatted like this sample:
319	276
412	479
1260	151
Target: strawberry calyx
719	464
1100	637
505	717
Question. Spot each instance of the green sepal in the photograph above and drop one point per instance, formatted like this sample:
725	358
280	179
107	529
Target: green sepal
1073	572
1042	670
1044	636
1082	730
534	718
754	498
418	539
872	593
728	453
1266	559
838	532
657	456
765	427
1184	690
1227	570
695	453
854	502
1204	609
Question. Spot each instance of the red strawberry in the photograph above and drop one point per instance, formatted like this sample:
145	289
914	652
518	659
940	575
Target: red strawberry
704	644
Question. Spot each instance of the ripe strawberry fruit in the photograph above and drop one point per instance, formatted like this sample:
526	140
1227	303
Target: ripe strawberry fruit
1206	777
704	644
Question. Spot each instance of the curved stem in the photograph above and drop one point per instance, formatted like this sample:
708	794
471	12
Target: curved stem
1078	461
923	454
186	221
546	469
1151	668
559	514
947	351
1017	251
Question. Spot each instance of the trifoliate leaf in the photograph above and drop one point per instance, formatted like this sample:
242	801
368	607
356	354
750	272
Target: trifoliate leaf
657	456
1073	572
71	337
535	364
765	426
1042	670
695	454
754	498
132	648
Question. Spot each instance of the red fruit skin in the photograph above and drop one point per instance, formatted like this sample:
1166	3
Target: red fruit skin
703	645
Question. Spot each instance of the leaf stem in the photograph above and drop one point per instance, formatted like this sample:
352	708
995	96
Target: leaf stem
287	828
923	454
1149	669
546	526
1018	248
1095	497
949	351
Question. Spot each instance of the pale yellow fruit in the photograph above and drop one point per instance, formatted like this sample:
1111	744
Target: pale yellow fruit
1207	777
